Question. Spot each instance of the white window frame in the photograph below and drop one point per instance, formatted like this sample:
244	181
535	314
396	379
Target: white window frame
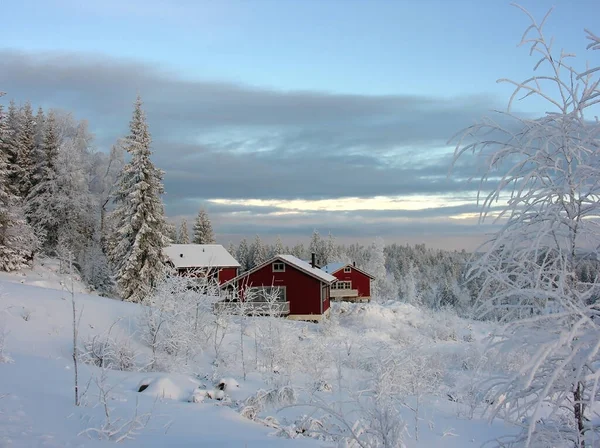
278	263
347	270
342	284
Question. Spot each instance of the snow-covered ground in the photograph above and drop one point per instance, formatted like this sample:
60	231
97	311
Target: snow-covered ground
324	366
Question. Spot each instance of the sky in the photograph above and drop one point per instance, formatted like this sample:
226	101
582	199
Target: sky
284	116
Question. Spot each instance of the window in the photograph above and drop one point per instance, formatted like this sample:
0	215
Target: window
266	293
341	285
347	270
278	267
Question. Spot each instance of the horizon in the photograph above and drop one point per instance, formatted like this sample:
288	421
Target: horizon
283	117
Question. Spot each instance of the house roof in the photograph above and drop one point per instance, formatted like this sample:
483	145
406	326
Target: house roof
332	268
294	262
200	256
307	267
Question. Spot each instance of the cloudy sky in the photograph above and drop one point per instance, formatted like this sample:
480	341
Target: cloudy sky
282	116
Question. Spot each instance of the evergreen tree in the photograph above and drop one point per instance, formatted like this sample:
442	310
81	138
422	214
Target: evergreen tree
17	241
203	231
25	167
298	251
141	229
331	252
13	123
231	249
259	252
183	237
318	247
279	249
39	155
43	205
172	233
243	255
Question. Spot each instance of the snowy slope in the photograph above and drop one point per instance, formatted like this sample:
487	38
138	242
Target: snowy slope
36	408
36	388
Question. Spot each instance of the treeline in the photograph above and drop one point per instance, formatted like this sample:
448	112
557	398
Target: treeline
54	188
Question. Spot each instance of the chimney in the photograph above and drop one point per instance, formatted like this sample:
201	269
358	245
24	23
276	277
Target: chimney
313	260
354	263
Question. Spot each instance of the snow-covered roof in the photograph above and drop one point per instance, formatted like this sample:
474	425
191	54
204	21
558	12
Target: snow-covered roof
292	261
200	256
307	267
332	268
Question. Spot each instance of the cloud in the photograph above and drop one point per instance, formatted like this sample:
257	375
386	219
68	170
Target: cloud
224	140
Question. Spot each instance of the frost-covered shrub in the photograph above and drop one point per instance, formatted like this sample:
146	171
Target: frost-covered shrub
109	353
264	399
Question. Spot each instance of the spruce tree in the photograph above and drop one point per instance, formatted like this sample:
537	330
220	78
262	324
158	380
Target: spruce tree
231	249
243	255
17	242
141	229
10	144
43	204
279	249
259	252
39	153
25	167
183	236
203	231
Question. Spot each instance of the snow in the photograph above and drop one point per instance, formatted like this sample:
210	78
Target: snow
200	256
187	405
306	267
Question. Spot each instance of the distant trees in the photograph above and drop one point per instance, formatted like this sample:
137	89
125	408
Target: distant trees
140	230
183	236
203	231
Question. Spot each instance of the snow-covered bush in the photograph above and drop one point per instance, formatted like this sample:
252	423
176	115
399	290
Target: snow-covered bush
108	352
173	323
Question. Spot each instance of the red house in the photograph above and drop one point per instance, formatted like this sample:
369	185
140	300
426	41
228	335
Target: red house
352	284
211	260
302	289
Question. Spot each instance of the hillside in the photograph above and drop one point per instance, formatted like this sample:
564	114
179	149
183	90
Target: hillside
322	365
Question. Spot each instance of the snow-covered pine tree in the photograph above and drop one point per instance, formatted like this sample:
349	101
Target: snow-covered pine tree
25	167
141	229
17	241
11	143
279	249
381	288
203	231
259	252
318	247
330	250
172	233
299	251
231	249
42	203
39	155
183	236
243	255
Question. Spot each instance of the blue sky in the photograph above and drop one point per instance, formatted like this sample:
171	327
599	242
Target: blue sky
354	85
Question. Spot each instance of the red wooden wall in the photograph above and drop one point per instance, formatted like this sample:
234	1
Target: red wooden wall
226	274
302	291
360	281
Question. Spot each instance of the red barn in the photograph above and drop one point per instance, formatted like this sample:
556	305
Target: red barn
302	289
211	260
352	284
